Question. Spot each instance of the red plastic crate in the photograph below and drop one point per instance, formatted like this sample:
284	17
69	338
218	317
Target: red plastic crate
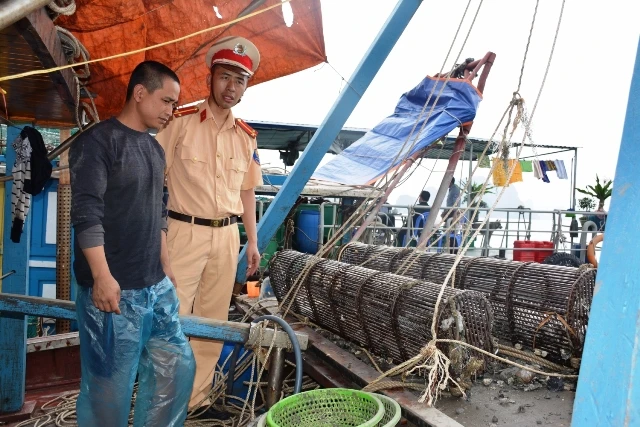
524	251
541	255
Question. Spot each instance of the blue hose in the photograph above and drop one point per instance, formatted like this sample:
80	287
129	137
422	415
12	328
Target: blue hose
297	388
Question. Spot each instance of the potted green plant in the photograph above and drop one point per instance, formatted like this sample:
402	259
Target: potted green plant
585	204
600	191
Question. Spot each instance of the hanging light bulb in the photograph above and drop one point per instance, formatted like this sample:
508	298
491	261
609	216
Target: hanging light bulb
287	13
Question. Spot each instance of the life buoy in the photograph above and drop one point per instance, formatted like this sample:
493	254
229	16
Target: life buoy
591	249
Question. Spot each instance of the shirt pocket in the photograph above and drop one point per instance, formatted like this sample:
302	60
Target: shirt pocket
194	162
235	170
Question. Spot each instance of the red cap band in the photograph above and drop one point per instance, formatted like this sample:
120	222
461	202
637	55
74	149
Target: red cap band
230	55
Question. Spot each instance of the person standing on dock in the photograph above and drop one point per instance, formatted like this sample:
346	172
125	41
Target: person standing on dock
453	195
212	169
127	306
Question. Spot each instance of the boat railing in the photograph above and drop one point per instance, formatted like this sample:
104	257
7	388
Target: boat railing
496	237
498	234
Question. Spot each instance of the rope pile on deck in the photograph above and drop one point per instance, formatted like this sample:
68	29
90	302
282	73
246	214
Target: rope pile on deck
388	314
538	306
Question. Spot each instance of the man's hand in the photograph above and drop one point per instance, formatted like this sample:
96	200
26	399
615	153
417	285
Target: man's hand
106	293
164	258
253	258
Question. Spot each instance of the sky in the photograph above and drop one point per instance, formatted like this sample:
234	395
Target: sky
583	102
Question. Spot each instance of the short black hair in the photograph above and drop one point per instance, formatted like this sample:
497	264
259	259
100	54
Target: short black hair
425	195
150	74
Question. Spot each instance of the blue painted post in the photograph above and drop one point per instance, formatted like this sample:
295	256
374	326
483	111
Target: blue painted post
13	328
331	126
199	327
608	392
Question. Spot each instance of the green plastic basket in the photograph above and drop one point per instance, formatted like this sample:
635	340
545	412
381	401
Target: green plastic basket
392	411
330	407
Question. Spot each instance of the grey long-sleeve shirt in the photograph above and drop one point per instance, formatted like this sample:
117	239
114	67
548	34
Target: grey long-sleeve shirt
452	196
117	178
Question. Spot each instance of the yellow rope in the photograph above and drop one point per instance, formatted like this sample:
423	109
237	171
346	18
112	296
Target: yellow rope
133	52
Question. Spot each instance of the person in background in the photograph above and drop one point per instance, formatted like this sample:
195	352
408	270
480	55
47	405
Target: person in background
420	209
423	204
126	305
453	195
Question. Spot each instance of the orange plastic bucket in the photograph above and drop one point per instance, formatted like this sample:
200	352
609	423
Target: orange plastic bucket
253	289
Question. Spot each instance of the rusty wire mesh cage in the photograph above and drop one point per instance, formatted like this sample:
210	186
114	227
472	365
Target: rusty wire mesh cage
388	314
539	306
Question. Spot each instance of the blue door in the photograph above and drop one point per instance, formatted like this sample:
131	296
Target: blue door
42	259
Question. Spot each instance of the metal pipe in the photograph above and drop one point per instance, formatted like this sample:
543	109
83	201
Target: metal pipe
470	183
588	227
66	144
12	11
276	371
444	185
487	238
546	154
575	176
4	276
571	205
498	210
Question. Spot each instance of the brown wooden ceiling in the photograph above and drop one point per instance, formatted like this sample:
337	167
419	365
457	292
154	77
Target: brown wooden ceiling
47	99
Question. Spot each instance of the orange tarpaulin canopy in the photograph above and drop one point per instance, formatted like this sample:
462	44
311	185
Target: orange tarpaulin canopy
108	27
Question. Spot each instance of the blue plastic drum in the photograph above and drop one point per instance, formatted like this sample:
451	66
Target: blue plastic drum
306	234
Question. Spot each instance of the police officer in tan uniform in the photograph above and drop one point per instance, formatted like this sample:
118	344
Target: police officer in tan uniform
212	169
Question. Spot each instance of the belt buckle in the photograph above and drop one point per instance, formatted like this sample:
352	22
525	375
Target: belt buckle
216	223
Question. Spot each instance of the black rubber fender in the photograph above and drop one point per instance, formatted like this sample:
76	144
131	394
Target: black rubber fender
563	259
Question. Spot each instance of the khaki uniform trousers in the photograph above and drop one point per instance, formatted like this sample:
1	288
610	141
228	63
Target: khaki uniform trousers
204	261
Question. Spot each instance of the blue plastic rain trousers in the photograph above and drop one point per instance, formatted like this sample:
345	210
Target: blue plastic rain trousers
145	339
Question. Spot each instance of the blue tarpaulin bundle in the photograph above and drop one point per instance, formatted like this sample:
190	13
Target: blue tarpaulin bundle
381	149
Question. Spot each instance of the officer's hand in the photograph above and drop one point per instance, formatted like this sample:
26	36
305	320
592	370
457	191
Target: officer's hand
106	293
253	258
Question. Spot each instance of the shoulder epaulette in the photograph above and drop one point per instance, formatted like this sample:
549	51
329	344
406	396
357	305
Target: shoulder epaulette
185	111
248	129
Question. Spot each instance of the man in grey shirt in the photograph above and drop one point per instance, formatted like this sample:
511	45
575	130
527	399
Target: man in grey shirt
453	195
127	305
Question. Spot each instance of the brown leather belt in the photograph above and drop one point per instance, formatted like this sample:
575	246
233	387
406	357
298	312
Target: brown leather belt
222	222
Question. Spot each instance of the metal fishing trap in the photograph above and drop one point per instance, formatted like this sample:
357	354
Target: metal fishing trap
388	314
539	306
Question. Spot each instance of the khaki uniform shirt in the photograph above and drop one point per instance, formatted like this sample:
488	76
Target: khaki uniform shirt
207	166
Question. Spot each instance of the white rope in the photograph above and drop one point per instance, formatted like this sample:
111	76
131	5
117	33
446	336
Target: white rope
67	10
79	51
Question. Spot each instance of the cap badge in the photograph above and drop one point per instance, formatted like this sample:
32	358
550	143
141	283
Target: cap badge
239	49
